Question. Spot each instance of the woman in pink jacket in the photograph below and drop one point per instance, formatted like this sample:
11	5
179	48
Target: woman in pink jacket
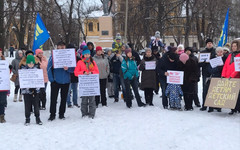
43	62
87	66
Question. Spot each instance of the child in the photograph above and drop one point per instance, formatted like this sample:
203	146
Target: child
87	66
174	92
31	95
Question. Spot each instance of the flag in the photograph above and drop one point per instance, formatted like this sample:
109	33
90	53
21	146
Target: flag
224	33
40	34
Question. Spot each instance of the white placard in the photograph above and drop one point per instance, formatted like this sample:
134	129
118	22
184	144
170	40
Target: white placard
4	75
237	63
64	58
175	77
150	65
204	57
89	85
216	62
31	78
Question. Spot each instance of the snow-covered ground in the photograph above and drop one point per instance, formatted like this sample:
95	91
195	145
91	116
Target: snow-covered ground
118	128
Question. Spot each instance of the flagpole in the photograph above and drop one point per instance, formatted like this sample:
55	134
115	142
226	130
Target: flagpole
51	41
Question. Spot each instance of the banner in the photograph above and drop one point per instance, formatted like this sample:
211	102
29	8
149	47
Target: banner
204	57
89	85
237	63
175	77
150	65
31	78
223	93
64	58
4	75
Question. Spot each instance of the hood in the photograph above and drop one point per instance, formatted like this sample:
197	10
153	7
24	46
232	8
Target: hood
90	43
17	56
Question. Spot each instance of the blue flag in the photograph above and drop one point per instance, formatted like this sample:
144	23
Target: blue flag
224	33
40	34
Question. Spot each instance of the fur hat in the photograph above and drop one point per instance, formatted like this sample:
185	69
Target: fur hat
29	52
209	40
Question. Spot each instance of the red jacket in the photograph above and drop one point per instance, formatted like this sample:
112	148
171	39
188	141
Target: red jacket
81	68
229	69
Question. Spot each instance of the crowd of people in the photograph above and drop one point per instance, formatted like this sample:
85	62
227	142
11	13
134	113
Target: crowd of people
119	69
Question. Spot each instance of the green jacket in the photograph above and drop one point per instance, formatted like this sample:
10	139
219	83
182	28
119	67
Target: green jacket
116	46
129	69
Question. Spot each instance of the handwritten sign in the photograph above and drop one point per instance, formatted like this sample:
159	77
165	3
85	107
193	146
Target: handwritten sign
175	77
64	58
31	78
204	57
223	93
216	62
89	85
4	75
237	63
150	65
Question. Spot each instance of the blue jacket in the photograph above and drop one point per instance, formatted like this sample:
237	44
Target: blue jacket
129	69
58	75
173	91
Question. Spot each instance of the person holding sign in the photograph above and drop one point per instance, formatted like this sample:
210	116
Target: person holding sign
205	72
60	79
148	78
31	95
87	66
229	69
130	75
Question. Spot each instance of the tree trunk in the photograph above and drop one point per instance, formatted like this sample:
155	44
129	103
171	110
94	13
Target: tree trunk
2	29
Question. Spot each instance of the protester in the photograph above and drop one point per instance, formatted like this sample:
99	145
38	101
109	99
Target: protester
229	69
90	46
87	66
11	49
15	77
156	42
60	80
180	49
130	73
103	67
117	44
43	62
157	55
148	78
110	86
31	95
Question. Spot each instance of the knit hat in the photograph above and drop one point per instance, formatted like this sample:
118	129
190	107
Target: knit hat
209	40
183	58
82	45
98	48
157	34
148	49
118	36
189	49
29	52
86	52
172	55
30	59
85	47
38	51
127	51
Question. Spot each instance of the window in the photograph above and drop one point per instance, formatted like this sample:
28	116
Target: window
90	26
97	26
172	44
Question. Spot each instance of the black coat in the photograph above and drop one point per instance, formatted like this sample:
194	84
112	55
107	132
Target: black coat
205	66
148	78
74	79
137	57
115	65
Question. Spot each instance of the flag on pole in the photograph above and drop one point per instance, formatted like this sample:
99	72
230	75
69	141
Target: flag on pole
224	33
40	34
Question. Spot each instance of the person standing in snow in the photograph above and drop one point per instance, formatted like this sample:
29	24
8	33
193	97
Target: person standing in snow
90	46
174	93
156	42
87	66
110	86
11	49
117	43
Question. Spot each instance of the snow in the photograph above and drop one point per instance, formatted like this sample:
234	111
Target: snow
96	14
118	128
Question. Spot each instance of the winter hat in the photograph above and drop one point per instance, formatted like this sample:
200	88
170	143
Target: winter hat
38	51
0	49
183	58
86	52
61	43
118	36
85	47
30	59
127	51
172	55
189	49
29	52
82	45
209	40
157	34
98	48
148	49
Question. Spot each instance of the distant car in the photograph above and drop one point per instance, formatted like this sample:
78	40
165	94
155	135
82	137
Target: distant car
142	51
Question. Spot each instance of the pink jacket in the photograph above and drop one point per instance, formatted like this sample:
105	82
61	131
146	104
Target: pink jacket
81	68
43	66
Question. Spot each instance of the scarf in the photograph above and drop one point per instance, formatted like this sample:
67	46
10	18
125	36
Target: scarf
233	55
88	63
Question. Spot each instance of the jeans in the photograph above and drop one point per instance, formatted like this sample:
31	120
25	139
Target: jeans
3	101
73	87
117	80
29	101
163	84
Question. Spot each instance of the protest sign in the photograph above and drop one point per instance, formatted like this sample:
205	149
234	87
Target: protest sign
223	93
204	57
89	85
31	78
64	58
150	65
237	63
4	75
216	62
175	77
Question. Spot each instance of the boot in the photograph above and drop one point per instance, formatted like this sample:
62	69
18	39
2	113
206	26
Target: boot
2	119
27	122
38	121
20	98
15	98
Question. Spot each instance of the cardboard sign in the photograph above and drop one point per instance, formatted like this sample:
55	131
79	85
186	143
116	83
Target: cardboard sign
216	62
31	78
223	93
237	63
89	85
204	57
64	58
175	77
4	75
150	65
